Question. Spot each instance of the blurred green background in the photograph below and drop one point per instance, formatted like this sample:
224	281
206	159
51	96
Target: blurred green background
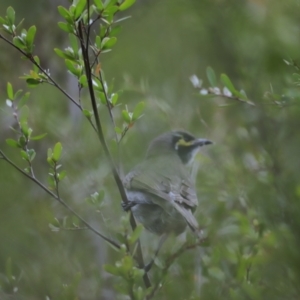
247	183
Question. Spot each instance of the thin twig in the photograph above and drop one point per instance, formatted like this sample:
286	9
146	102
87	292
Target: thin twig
100	133
60	200
170	261
52	81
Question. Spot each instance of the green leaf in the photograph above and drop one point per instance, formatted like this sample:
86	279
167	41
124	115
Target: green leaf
12	143
126	4
62	175
2	21
23	100
8	269
136	234
30	38
10	92
10	15
114	99
126	116
57	152
18	42
73	67
53	228
211	76
99	4
104	41
115	30
22	141
73	43
65	27
112	270
227	83
38	137
25	129
83	80
79	8
17	94
49	153
87	113
61	53
24	113
31	154
31	82
118	130
64	13
25	155
110	3
108	43
102	98
138	111
122	19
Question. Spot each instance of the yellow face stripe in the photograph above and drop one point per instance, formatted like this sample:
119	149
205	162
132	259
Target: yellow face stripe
182	142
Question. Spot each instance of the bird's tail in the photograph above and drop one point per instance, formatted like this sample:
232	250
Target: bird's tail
191	220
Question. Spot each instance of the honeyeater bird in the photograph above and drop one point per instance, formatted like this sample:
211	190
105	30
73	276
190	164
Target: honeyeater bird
160	190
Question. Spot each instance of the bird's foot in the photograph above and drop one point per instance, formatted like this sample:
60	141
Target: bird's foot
127	205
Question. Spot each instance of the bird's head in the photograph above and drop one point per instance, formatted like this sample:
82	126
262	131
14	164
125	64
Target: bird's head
179	142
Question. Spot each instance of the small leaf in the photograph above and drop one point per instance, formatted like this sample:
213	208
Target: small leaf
79	8
64	13
211	76
62	175
83	80
110	3
122	19
31	82
126	4
30	38
10	15
23	100
57	152
10	92
118	130
18	42
73	42
99	4
114	99
109	43
87	113
49	153
136	234
12	143
53	228
65	27
112	270
126	116
38	137
138	110
24	113
60	53
24	155
114	31
227	82
22	141
31	154
73	67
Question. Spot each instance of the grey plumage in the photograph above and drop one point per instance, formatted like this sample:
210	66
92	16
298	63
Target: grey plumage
160	192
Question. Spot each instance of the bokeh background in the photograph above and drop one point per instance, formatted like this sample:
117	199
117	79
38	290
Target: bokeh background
247	182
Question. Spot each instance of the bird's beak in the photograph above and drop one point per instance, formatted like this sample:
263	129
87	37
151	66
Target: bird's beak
202	142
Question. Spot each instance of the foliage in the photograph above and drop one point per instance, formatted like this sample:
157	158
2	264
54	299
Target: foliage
244	96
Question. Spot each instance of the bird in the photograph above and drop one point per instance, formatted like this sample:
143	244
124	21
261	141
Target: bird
160	191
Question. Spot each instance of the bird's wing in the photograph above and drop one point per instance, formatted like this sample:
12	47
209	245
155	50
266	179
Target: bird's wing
167	187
